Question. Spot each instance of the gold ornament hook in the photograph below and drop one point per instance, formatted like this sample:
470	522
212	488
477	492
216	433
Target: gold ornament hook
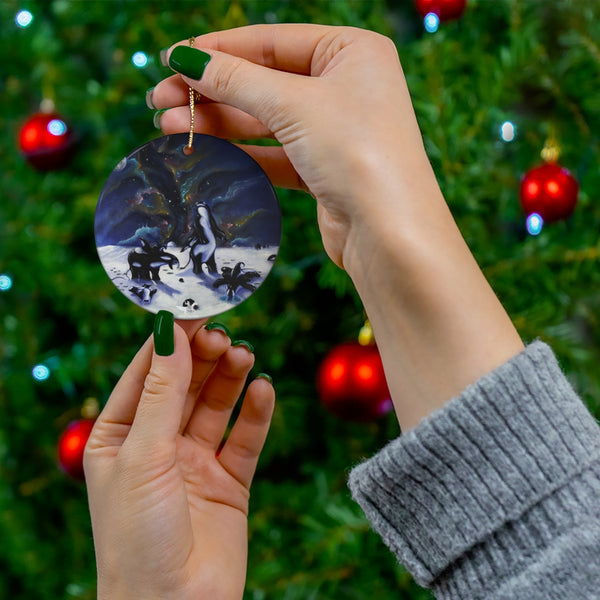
90	408
365	336
551	150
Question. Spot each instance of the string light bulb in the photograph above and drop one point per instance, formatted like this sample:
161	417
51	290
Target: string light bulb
508	131
140	59
23	19
40	372
6	282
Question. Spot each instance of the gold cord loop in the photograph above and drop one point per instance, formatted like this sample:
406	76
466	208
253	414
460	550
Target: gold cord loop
193	97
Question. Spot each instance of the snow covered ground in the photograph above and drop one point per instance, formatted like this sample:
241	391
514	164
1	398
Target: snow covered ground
180	290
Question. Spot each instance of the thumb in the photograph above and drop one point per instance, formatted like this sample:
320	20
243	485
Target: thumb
159	412
257	90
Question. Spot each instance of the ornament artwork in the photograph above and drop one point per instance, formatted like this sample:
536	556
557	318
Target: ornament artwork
71	445
352	384
188	224
191	233
46	141
445	10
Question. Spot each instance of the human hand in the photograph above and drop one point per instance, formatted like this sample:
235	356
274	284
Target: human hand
169	512
337	101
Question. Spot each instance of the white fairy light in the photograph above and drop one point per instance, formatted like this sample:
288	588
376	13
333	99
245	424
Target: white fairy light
23	18
431	22
5	282
139	59
535	223
40	372
508	131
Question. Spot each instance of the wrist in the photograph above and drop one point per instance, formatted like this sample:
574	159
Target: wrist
437	322
396	219
119	593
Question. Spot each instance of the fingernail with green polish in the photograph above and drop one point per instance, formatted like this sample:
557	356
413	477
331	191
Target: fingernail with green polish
218	327
189	61
265	376
244	343
149	102
164	339
163	57
157	116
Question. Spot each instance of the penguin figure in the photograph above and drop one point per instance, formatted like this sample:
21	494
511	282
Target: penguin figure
202	250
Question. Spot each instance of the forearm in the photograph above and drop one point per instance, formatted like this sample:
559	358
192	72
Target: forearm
437	322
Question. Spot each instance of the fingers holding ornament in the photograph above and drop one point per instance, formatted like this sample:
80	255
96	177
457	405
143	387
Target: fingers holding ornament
219	393
208	346
240	453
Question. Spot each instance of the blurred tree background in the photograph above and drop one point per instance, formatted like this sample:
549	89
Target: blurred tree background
533	63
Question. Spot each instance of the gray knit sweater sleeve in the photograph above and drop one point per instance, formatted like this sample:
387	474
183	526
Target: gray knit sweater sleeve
497	494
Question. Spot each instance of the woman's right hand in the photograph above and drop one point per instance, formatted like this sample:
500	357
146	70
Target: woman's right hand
334	97
337	101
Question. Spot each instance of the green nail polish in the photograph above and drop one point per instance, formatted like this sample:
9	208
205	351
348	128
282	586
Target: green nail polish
157	116
164	341
189	61
218	327
265	376
149	102
244	343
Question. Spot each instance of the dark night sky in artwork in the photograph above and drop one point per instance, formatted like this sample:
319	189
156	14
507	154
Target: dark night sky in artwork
152	194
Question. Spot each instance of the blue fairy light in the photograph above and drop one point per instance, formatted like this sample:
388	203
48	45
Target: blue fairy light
508	131
534	224
5	283
40	372
24	18
431	22
57	127
139	59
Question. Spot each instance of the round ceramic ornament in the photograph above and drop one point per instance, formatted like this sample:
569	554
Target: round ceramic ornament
191	227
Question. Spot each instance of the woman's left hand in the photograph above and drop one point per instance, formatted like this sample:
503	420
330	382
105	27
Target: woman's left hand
169	511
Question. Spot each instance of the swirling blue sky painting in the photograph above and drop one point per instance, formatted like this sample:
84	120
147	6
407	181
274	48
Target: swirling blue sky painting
193	234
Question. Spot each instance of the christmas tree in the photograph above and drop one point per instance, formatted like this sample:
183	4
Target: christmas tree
492	88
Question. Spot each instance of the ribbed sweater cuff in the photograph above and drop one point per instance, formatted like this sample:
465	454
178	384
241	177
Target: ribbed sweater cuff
479	470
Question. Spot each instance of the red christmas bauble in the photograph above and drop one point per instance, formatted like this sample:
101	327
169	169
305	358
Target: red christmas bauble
444	9
46	140
71	446
352	384
550	191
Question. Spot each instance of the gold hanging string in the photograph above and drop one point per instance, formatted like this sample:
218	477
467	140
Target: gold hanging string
192	94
